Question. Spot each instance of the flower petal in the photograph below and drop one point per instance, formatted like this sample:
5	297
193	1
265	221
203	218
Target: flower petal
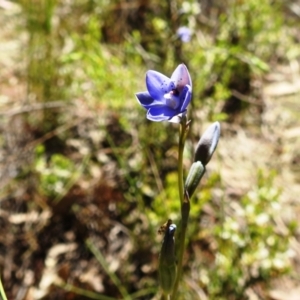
147	101
157	84
185	97
158	114
181	77
144	99
184	33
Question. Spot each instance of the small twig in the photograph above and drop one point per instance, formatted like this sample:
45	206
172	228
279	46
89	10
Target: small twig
82	292
32	108
245	98
155	172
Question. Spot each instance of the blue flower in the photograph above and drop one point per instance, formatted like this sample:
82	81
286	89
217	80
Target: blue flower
184	33
167	98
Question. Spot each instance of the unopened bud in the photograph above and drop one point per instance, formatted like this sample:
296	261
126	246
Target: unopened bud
167	260
195	174
208	143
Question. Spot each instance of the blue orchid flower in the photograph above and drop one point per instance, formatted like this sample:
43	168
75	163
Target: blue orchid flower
184	33
167	98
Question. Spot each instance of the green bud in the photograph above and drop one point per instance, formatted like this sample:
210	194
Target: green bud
207	143
195	174
167	260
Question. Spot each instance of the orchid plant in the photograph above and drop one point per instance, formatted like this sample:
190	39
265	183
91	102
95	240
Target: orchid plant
167	99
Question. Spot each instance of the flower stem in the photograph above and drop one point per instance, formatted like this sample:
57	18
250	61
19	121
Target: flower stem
182	136
164	297
185	206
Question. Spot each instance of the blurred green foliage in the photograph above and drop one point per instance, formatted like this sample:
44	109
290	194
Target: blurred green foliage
55	175
250	251
94	54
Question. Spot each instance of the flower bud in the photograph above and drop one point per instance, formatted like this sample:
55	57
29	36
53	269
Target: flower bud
195	174
167	260
208	143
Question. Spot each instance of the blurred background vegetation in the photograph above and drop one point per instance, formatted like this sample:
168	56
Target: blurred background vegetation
86	180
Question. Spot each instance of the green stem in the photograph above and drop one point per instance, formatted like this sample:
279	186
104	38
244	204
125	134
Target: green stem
182	136
185	206
164	297
2	293
185	211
